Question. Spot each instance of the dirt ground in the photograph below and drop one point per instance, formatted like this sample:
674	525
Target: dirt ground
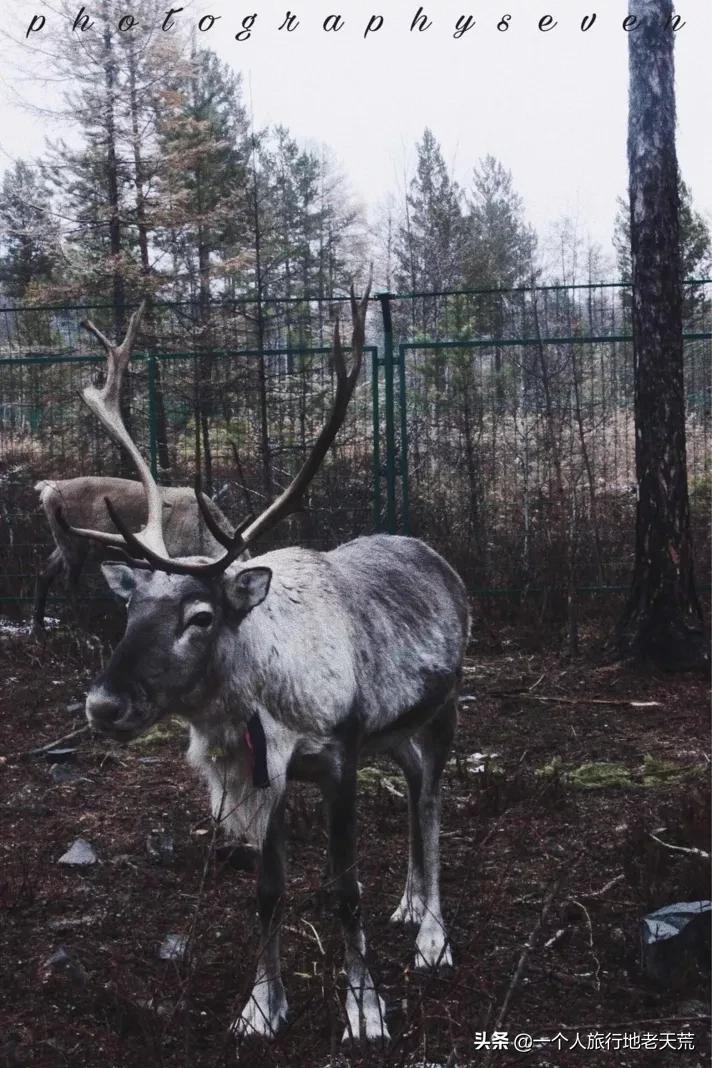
548	866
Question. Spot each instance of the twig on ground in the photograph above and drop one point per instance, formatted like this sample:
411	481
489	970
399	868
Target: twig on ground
589	925
692	850
604	889
521	964
50	745
555	938
615	702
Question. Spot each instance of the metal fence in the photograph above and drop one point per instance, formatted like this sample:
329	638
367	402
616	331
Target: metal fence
497	424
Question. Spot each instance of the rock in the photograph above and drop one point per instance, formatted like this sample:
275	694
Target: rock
64	964
75	707
175	947
79	855
160	847
675	942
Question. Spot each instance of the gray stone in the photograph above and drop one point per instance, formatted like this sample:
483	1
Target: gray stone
175	947
79	855
675	942
64	964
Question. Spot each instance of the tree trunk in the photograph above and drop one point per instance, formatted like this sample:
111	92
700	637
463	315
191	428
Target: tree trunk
267	484
164	461
662	620
113	203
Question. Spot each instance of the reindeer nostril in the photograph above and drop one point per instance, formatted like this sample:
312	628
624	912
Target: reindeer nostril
104	709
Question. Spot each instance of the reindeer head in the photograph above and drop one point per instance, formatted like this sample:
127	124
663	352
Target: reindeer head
168	660
181	612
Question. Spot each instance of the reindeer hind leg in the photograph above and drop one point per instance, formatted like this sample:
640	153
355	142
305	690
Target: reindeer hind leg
411	908
432	947
54	567
365	1009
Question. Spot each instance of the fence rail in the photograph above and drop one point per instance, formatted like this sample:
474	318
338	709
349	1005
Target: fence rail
498	424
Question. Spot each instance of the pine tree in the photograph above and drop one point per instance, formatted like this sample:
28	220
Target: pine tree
202	140
431	241
105	179
29	237
500	244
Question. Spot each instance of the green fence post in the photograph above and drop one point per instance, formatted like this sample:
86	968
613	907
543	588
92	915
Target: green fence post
385	299
377	521
152	417
405	492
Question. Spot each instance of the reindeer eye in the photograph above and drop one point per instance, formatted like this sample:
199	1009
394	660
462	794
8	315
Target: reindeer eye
200	619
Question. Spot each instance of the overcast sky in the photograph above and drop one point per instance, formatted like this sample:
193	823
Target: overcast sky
552	107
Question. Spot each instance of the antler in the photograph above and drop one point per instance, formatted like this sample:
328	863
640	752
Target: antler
105	403
149	545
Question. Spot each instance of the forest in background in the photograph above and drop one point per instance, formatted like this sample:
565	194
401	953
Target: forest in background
165	186
521	456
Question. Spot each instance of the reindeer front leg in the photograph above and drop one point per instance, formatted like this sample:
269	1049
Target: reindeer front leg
365	1010
266	1009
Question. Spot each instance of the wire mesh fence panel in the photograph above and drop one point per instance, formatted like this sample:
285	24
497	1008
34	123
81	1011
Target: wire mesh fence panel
47	432
522	467
236	323
257	417
502	428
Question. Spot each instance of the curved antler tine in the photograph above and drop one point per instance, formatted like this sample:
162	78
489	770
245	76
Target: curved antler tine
359	310
130	539
175	567
105	403
211	523
128	559
104	537
337	353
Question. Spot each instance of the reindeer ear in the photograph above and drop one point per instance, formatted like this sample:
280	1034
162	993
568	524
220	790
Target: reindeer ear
247	588
120	579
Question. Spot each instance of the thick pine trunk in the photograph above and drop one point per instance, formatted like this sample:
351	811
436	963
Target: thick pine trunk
662	620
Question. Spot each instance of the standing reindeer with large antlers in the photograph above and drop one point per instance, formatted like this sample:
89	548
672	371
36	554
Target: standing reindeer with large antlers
294	666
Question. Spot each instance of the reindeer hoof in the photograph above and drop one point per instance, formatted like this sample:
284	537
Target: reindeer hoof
367	1022
410	911
264	1014
432	949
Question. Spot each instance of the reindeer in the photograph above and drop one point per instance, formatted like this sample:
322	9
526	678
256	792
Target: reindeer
296	666
81	502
